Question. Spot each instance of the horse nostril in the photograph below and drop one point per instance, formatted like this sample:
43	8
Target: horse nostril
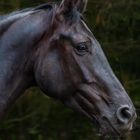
124	114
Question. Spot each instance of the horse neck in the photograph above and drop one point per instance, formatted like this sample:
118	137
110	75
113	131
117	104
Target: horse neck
18	46
7	20
16	66
15	76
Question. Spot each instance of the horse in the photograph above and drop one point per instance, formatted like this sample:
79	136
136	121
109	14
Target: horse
50	46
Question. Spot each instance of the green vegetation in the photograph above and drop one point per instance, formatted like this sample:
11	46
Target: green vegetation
116	24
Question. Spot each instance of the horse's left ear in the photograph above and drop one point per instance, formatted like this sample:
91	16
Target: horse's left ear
68	5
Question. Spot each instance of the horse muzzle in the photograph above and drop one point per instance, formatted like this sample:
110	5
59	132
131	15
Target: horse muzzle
120	124
112	118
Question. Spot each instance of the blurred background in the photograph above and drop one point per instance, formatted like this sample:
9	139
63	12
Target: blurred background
116	25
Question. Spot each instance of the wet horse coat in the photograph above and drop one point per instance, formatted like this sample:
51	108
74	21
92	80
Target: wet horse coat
50	46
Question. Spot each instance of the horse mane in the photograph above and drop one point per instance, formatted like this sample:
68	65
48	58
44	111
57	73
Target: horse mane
24	12
8	19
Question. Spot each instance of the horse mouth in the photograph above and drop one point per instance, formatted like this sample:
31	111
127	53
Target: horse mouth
105	126
90	105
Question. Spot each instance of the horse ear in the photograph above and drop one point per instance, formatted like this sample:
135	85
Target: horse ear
68	5
81	5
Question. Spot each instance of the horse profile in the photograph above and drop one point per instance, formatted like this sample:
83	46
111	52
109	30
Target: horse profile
51	46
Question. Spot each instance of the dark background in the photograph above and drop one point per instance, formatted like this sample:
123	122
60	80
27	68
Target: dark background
116	25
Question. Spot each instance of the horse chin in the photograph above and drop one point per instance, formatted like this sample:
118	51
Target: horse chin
109	129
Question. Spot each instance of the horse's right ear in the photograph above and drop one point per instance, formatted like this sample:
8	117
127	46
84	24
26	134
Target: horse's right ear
68	6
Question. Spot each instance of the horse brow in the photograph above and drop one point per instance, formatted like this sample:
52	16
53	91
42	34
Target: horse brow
67	38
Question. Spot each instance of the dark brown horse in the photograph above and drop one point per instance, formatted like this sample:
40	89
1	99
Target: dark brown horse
50	46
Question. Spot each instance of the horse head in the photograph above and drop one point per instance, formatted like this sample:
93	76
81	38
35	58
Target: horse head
72	68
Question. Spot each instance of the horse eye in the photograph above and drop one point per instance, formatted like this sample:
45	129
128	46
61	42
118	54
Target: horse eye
81	48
